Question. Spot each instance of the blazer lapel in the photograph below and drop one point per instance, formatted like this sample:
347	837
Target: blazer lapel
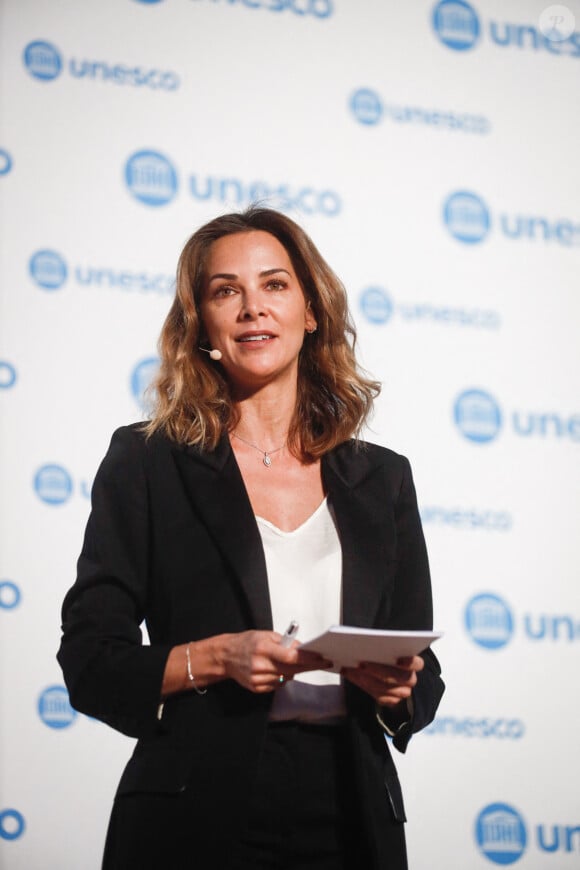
358	500
218	496
216	491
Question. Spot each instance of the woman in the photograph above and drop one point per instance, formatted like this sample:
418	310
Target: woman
243	504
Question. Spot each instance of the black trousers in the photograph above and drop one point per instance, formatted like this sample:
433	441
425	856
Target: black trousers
304	813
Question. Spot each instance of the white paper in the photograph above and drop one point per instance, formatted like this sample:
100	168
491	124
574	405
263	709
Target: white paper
347	646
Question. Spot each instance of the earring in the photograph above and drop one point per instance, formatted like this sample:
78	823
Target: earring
312	331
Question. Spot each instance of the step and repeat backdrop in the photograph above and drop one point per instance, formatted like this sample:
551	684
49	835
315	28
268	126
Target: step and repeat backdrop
431	150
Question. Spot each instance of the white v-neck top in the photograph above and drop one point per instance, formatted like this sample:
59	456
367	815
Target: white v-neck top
304	578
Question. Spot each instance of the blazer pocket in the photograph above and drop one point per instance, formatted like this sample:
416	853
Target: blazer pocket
395	794
149	772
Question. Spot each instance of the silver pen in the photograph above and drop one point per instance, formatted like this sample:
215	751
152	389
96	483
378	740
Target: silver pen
290	633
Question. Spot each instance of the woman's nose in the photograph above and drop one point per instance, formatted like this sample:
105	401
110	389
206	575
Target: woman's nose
251	306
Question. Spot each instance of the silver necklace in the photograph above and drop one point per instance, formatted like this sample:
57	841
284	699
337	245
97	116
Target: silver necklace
266	454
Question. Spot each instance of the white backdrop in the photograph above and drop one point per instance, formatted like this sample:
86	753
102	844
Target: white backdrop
431	150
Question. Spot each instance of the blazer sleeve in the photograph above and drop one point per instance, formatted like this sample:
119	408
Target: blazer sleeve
412	609
109	673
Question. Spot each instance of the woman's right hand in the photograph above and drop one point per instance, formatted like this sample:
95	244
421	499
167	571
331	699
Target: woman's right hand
254	659
257	660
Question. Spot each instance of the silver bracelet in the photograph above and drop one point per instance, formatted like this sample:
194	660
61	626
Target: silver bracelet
190	676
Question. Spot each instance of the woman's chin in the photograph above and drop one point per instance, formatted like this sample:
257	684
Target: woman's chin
260	371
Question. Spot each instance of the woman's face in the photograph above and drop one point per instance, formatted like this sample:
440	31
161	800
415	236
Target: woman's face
253	308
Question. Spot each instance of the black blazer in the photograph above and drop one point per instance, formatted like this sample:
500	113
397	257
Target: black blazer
172	540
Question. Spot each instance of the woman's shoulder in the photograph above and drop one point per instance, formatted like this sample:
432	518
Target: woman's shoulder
355	461
131	437
135	442
140	434
368	453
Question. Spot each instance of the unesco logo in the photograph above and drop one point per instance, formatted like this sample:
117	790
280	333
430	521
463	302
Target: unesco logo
368	109
477	416
151	178
378	308
42	60
501	834
457	517
5	162
48	270
53	484
376	305
466	217
142	376
456	24
486	728
490	624
489	621
11	824
9	595
54	708
7	375
366	106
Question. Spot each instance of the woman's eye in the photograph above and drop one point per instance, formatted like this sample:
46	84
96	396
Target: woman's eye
225	290
276	285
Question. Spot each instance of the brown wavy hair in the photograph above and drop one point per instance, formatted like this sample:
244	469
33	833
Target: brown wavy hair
192	403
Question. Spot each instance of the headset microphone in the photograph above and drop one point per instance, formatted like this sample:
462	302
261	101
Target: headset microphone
214	354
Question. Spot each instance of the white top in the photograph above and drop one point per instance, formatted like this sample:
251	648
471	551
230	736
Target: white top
304	578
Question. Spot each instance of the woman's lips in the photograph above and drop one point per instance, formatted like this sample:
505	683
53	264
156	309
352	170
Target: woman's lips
255	338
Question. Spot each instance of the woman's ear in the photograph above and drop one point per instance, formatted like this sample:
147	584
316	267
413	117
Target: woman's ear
310	324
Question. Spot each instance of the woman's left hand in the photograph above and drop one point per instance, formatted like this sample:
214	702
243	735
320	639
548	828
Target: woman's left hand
387	684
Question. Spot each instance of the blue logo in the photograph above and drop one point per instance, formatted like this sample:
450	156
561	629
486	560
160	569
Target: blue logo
456	24
467	518
149	1
484	729
48	269
501	834
141	377
42	60
7	375
151	178
366	106
5	162
467	217
376	305
379	308
489	621
12	824
491	624
477	416
9	595
54	708
53	484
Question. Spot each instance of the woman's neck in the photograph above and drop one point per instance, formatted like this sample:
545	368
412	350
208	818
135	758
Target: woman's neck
265	416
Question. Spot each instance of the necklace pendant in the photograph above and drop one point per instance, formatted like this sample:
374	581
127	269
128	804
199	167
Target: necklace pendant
267	461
